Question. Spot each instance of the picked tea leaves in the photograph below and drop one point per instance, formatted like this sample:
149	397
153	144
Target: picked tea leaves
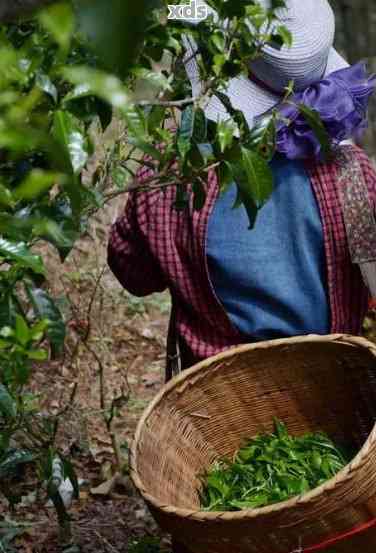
271	468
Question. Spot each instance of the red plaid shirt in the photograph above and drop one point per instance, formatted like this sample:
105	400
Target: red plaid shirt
153	246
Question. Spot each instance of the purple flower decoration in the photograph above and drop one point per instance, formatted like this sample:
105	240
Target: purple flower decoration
341	99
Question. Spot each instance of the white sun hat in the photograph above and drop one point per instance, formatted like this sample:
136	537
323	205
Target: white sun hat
310	58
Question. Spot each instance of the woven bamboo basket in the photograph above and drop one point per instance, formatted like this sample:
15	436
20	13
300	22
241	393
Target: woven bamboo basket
311	383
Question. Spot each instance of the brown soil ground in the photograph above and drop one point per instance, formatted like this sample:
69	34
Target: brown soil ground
126	340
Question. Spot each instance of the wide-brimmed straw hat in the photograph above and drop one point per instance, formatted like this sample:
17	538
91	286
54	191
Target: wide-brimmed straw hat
310	58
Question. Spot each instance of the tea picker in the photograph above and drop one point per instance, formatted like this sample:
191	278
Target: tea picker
306	268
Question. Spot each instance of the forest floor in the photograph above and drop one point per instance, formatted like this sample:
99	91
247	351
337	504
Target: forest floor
115	356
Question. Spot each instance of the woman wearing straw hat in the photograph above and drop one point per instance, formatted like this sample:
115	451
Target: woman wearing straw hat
308	264
303	267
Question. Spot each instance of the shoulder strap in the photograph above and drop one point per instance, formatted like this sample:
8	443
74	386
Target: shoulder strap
173	357
358	215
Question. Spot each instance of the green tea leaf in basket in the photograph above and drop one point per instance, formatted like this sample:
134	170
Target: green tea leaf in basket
271	468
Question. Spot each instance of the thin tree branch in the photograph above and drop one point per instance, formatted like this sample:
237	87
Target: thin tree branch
168	103
63	411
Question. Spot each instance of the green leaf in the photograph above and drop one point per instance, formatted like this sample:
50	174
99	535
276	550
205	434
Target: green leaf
7	404
36	183
237	115
260	177
154	79
199	134
314	121
316	460
110	89
206	151
15	227
22	331
276	4
147	148
19	252
93	81
219	61
45	308
58	20
53	233
279	428
115	30
225	134
38	330
61	233
44	82
244	194
120	177
136	122
262	136
60	214
257	14
37	354
225	177
194	160
6	197
249	206
104	111
285	34
155	118
67	132
85	106
78	92
253	178
7	332
219	40
20	140
8	309
186	131
12	459
69	472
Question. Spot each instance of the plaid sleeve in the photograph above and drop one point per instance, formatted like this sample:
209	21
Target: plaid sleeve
128	254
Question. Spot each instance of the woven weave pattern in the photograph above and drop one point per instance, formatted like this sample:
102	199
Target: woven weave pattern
311	383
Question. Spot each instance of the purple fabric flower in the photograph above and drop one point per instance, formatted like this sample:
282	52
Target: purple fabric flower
341	99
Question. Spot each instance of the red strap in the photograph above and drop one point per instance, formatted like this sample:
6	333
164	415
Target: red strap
263	85
338	538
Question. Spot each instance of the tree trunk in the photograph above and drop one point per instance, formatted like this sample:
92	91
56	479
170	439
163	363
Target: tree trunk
11	10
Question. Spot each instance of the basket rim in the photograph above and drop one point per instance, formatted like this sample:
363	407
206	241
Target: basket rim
200	515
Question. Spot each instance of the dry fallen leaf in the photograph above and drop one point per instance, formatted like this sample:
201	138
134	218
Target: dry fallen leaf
106	487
